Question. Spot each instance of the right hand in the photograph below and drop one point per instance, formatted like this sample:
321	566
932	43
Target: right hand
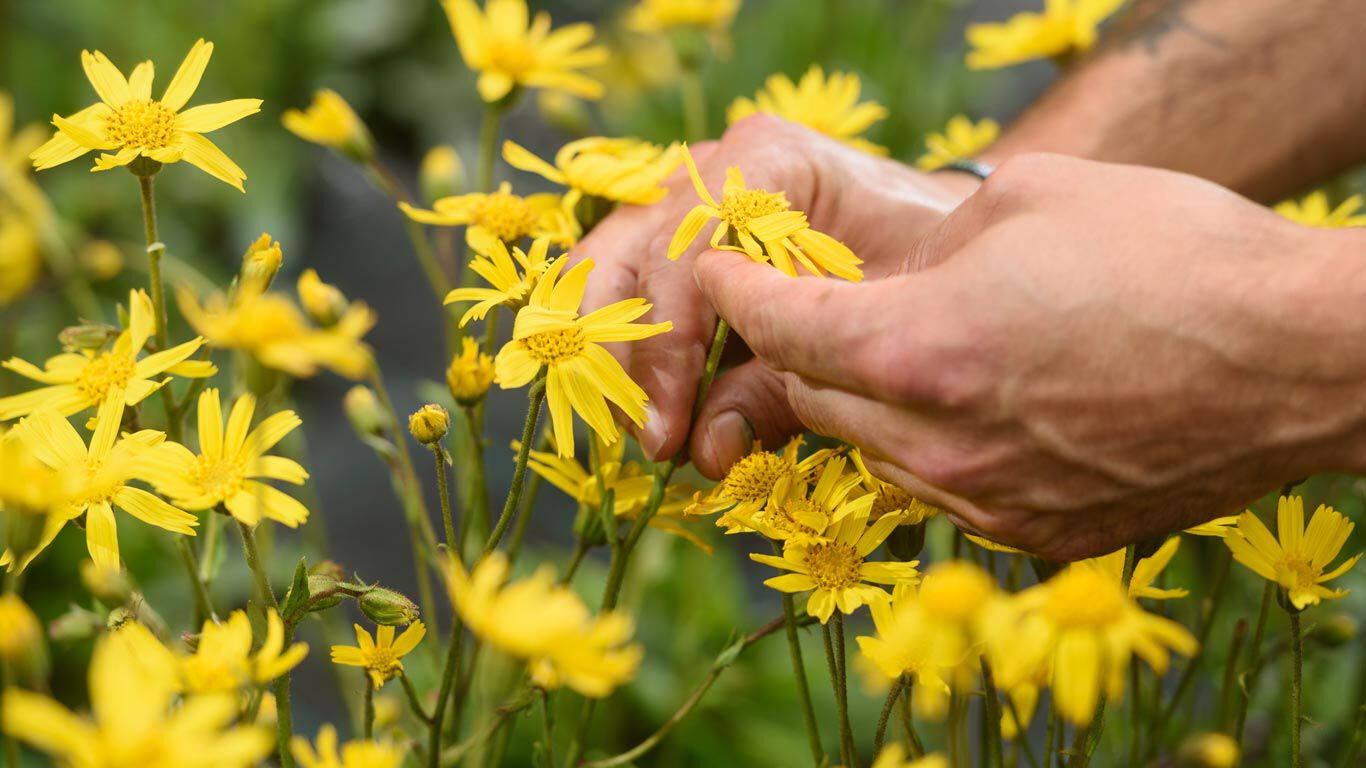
878	207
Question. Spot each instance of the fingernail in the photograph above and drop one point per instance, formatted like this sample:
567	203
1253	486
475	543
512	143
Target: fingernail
654	434
731	436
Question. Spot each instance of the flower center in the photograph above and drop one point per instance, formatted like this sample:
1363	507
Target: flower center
508	217
1294	574
552	347
218	478
790	516
737	208
1084	598
889	499
514	57
145	123
833	565
752	478
106	371
383	662
955	592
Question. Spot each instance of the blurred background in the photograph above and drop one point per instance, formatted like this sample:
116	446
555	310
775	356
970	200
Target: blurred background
396	63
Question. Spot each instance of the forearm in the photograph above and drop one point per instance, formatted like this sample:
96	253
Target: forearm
1261	96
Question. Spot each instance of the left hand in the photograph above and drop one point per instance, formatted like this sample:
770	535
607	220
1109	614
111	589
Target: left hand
1095	354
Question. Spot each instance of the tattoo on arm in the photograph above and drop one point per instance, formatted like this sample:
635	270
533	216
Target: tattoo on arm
1148	22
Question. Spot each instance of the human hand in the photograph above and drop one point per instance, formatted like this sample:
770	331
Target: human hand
877	207
1093	354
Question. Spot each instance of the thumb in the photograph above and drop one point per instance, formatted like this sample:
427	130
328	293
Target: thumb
747	403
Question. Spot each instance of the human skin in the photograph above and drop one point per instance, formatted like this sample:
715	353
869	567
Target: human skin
1225	89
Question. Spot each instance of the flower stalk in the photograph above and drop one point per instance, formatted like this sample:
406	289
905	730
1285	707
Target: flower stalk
284	728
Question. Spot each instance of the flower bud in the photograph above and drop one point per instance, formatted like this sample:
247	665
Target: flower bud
588	526
260	264
75	625
1334	630
387	607
100	259
364	411
331	122
429	424
906	541
323	302
21	634
328	568
319	583
441	173
86	337
470	374
108	585
1207	750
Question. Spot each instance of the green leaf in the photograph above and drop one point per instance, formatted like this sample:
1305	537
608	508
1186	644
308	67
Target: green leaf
298	589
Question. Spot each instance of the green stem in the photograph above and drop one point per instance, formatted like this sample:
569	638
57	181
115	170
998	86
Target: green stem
1254	661
1228	692
908	721
794	647
547	729
535	396
443	490
476	506
580	550
521	701
893	695
203	605
992	713
1296	688
529	504
694	99
369	720
155	250
438	720
834	648
414	701
1050	736
284	730
1022	734
488	145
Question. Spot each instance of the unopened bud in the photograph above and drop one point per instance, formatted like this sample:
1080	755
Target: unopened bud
1207	750
441	174
429	424
331	122
470	374
318	584
91	336
260	264
364	411
323	302
100	259
906	541
387	607
108	585
1334	630
328	568
21	634
75	625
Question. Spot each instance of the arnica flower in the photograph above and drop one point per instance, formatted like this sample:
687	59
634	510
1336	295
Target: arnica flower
828	105
894	756
499	268
26	483
501	216
129	120
545	624
16	184
1083	626
508	49
765	227
441	173
960	140
1146	571
1297	561
324	302
232	463
749	483
1217	528
836	571
273	331
382	655
21	256
653	16
223	661
891	498
135	718
581	376
628	481
331	122
80	380
618	170
797	513
1065	28
429	424
470	373
109	463
360	753
20	631
1314	211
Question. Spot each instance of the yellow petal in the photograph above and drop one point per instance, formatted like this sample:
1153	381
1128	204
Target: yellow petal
211	117
186	78
106	78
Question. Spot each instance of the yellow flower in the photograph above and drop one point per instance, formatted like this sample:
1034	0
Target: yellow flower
891	498
470	373
765	226
750	482
331	122
231	464
382	656
324	302
798	514
16	185
960	140
894	756
836	571
546	624
1218	527
664	15
80	380
1083	626
108	464
20	630
361	753
1297	560
100	259
628	481
509	287
619	170
223	661
826	105
135	718
1313	211
29	485
270	328
580	374
429	424
501	216
441	173
129	120
1064	28
21	258
508	49
1145	572
260	264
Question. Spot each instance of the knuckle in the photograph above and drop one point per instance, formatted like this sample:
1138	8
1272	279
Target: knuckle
930	368
806	407
757	127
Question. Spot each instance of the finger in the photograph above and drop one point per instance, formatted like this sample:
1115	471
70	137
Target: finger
748	402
